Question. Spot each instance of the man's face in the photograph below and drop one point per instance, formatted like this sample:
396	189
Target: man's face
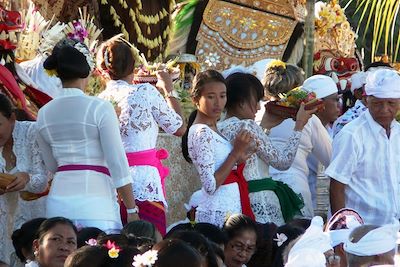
383	110
332	108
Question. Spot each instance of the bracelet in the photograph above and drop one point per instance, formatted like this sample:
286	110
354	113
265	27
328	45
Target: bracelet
132	211
173	94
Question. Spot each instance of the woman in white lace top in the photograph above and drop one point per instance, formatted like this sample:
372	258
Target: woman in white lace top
142	111
19	156
214	157
244	91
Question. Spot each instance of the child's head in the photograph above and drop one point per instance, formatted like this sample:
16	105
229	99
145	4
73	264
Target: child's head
244	92
87	233
281	78
115	58
142	229
176	253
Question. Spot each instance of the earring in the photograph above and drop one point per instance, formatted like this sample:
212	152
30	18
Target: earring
36	253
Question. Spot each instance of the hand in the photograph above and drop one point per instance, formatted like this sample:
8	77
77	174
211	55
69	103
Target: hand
270	120
133	217
303	116
164	81
242	147
19	183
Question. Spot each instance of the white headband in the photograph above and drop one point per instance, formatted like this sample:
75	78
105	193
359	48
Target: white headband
375	242
306	257
383	83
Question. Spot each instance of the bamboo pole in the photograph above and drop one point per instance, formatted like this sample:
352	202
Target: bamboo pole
309	29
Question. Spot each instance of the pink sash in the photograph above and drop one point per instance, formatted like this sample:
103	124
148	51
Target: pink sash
151	157
82	167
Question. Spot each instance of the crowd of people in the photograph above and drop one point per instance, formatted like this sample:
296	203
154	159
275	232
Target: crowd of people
106	203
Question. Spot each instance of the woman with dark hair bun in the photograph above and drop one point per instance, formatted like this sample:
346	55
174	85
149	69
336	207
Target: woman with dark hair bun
56	239
270	201
142	111
21	168
22	239
80	142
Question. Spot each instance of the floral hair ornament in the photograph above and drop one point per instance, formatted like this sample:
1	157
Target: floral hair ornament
113	250
147	259
85	51
280	239
276	64
91	242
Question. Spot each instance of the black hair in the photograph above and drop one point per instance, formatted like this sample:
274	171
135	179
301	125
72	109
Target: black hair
97	256
240	87
176	253
378	64
263	255
67	61
200	243
281	79
50	223
236	224
23	237
87	233
140	229
291	232
199	81
211	232
6	107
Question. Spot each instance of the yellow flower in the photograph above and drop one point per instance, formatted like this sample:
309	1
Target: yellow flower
52	72
276	64
113	253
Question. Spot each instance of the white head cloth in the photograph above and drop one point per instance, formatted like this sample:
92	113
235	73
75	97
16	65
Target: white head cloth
358	80
375	242
306	257
313	238
235	69
383	83
321	85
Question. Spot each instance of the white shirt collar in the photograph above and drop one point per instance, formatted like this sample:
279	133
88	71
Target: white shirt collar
376	127
65	92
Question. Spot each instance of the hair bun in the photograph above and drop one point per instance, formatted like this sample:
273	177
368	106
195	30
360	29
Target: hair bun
51	62
71	64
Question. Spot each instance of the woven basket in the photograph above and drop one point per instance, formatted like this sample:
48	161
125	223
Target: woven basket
152	79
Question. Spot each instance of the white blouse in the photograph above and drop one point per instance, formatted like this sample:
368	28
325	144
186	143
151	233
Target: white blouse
13	210
208	151
79	129
265	204
314	140
143	110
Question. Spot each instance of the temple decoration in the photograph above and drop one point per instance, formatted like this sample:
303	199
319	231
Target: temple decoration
334	43
244	32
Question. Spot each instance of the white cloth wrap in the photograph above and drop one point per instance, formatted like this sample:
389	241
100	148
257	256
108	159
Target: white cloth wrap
314	238
306	257
383	83
375	242
358	80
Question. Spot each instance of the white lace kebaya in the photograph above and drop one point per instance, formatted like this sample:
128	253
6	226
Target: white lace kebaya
13	211
208	151
265	204
143	110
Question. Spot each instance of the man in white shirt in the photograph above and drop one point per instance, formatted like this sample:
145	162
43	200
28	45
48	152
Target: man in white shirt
365	168
325	89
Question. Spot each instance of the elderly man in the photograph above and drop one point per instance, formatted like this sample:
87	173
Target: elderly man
365	169
370	245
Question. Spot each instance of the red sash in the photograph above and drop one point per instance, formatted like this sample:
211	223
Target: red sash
236	176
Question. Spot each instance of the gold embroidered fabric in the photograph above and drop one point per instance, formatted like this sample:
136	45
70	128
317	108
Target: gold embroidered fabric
280	7
235	35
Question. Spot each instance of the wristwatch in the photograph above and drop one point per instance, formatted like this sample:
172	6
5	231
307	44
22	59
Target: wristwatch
132	211
173	94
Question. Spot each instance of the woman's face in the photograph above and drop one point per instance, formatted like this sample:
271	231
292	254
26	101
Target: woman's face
212	100
240	249
250	107
56	245
6	128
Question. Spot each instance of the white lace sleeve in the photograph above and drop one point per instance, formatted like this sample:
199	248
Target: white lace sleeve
38	174
200	144
165	116
280	158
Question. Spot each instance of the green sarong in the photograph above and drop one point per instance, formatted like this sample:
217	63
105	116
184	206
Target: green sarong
290	202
